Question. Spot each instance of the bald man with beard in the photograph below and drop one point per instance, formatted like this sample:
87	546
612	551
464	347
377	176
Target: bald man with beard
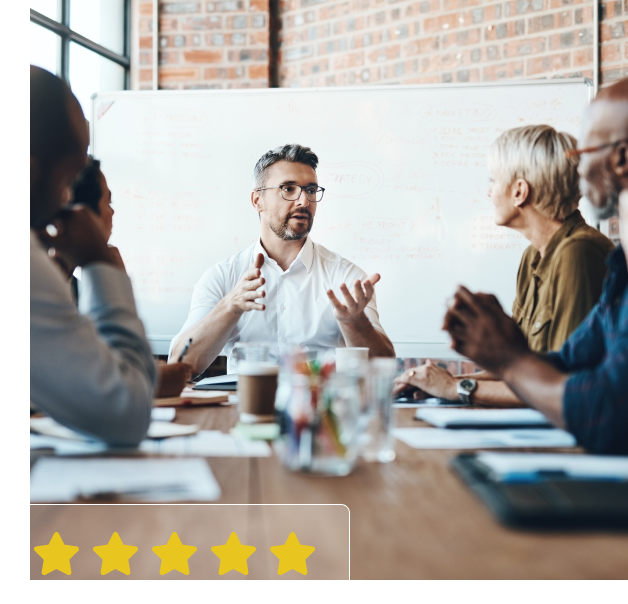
582	388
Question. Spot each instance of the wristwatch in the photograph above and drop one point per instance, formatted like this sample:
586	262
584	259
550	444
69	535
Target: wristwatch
465	389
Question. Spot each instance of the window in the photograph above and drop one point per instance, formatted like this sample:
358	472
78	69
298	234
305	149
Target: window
86	42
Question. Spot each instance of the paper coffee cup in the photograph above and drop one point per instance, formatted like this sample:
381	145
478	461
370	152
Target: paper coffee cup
352	360
257	386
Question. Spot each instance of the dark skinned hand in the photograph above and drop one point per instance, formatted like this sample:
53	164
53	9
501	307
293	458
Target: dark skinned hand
78	237
481	331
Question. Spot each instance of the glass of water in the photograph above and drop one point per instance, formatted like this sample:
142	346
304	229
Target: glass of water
378	443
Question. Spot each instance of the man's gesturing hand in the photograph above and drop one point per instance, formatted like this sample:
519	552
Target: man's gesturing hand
242	297
481	331
355	305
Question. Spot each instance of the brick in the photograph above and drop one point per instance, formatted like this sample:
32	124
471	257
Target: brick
178	74
528	46
146	42
179	7
146	9
258	5
528	6
502	71
612	75
202	56
612	31
610	53
145	75
583	57
201	23
548	64
258	71
229	6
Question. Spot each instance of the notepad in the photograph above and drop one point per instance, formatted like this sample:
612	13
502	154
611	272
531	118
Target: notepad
483	418
150	480
190	397
442	438
530	466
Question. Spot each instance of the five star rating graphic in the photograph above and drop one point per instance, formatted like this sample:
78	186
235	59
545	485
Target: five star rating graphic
174	555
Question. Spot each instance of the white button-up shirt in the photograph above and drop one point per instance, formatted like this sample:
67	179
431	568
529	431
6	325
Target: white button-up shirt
298	310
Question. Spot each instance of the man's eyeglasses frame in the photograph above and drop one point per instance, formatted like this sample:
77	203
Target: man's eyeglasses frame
300	188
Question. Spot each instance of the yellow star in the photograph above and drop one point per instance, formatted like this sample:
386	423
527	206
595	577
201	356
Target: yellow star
292	555
233	555
174	555
115	555
56	555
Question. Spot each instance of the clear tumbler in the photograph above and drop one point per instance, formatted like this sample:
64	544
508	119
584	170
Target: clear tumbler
378	443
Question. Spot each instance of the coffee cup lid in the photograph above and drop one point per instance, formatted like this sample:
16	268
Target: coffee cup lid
257	368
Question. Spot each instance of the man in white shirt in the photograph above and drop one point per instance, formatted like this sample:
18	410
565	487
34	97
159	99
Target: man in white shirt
296	282
90	370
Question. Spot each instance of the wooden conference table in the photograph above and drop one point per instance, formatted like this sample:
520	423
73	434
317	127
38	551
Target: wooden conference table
409	519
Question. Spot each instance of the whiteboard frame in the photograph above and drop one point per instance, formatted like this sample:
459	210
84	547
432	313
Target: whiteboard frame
435	350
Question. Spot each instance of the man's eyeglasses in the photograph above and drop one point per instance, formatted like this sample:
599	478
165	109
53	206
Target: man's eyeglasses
578	152
293	192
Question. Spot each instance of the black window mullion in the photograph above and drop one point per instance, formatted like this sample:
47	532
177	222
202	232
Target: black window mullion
65	41
63	30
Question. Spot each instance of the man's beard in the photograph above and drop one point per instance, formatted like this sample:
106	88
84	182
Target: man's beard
283	230
608	197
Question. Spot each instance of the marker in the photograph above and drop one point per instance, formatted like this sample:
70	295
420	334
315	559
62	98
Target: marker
185	350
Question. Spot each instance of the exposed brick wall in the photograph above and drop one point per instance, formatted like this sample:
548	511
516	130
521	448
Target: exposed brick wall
225	43
432	41
204	44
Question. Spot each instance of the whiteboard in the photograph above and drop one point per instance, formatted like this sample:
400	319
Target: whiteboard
404	170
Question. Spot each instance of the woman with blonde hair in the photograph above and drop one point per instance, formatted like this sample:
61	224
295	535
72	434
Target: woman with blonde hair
534	188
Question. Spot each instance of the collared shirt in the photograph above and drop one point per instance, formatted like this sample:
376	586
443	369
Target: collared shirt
298	310
555	293
595	403
91	369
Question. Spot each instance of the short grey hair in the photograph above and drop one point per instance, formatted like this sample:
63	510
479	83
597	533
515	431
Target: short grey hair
292	153
537	154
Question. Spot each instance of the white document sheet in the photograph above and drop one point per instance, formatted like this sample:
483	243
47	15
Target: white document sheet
163	414
450	418
152	480
518	465
207	443
440	438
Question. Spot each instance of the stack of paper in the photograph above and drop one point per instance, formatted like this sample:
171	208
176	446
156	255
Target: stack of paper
521	466
483	418
154	480
439	438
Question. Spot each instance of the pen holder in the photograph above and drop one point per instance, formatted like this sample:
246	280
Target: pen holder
318	413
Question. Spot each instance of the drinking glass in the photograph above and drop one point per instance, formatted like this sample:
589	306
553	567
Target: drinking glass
377	441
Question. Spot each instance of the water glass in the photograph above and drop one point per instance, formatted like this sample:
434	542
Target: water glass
377	441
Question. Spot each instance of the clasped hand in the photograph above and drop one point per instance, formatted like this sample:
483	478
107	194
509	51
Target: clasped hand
354	306
79	239
430	379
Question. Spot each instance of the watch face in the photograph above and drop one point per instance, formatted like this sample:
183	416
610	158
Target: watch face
468	385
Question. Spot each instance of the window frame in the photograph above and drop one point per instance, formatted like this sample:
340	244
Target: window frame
67	35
